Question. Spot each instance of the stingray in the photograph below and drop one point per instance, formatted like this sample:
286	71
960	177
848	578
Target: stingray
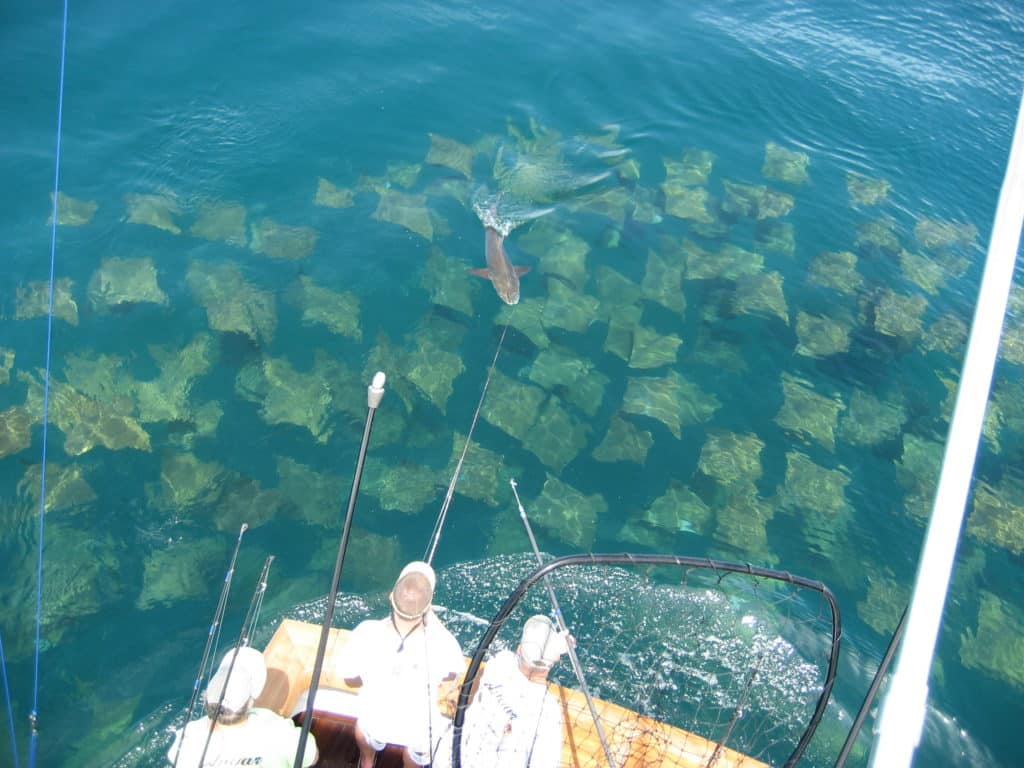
433	368
783	164
731	458
166	398
280	241
72	212
755	201
928	274
836	270
288	396
885	601
33	300
918	468
66	487
996	645
331	196
652	349
776	236
812	487
85	422
182	571
559	250
451	154
693	170
615	203
186	482
154	211
806	414
678	510
997	514
567	513
741	525
869	420
406	488
405	210
615	292
119	282
232	303
624	441
729	263
761	294
899	315
448	282
937	235
686	202
663	282
338	311
483	474
878	235
222	221
621	324
512	406
657	398
6	363
821	336
556	438
866	191
567	308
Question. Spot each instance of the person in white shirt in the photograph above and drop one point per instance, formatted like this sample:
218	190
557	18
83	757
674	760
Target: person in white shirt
402	665
513	721
241	735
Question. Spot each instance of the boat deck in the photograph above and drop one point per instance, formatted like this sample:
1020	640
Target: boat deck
635	741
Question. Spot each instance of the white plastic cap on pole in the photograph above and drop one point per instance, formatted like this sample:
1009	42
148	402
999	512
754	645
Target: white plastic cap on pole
899	728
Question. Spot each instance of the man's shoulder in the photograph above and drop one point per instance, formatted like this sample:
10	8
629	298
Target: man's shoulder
441	635
371	628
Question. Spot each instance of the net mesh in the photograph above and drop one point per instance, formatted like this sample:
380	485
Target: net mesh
689	665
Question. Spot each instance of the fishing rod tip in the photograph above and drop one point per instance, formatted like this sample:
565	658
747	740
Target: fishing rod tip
375	392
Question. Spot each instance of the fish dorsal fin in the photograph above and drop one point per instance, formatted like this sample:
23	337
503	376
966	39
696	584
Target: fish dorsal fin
484	273
521	270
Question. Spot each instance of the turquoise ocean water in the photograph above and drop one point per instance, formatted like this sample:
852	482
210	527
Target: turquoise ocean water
266	202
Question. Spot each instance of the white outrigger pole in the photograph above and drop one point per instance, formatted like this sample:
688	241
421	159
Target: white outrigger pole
899	728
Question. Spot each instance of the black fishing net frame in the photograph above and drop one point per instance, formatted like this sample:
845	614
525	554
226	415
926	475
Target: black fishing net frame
720	569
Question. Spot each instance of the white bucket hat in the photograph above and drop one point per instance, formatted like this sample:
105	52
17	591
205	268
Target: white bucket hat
541	644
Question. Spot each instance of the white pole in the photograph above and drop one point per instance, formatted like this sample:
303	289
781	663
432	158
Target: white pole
899	728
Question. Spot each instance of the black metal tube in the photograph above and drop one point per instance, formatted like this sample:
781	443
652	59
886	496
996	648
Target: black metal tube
375	392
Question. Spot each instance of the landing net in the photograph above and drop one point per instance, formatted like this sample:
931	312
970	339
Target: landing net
692	662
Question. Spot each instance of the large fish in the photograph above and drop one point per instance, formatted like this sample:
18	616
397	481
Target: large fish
500	271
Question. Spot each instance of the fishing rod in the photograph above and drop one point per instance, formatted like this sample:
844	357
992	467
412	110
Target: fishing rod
713	761
374	394
7	699
435	537
244	637
560	620
213	636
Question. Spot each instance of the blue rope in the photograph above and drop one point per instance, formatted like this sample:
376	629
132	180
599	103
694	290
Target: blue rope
7	696
34	714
